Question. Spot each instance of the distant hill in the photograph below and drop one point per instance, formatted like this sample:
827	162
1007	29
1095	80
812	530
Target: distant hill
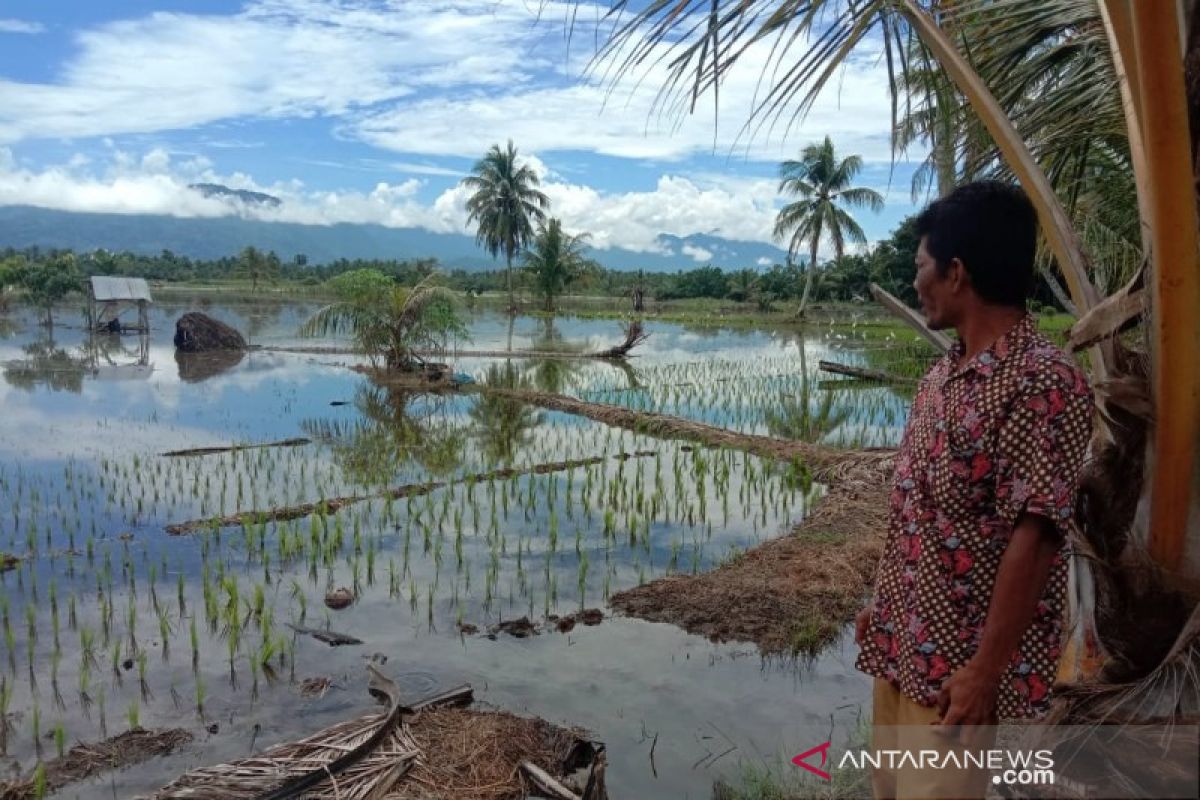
247	197
214	237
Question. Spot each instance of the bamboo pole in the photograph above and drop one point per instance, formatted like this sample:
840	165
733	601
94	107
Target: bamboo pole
1176	276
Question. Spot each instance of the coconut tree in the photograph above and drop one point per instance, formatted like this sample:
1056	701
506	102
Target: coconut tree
555	259
1075	97
823	184
257	265
390	323
505	205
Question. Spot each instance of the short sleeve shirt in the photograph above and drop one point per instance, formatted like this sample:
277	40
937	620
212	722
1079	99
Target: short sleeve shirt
986	440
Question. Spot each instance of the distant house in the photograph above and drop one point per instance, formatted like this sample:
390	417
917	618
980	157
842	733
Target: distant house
109	298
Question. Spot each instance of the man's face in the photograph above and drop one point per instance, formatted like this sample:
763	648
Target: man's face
935	292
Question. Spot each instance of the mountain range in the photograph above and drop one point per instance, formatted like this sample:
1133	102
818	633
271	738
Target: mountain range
215	237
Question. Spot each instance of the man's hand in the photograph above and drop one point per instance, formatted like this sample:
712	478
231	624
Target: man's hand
968	697
861	623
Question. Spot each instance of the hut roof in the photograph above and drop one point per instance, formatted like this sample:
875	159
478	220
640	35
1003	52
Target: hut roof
106	289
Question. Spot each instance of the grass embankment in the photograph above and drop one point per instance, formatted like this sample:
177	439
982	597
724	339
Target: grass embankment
791	595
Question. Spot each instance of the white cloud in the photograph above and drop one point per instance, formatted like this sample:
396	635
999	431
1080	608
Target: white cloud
275	59
156	182
427	77
585	116
20	26
697	253
764	262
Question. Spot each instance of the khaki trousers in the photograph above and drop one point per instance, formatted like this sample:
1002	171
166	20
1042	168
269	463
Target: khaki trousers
902	724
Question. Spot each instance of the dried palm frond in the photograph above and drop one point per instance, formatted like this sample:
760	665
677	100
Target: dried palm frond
430	750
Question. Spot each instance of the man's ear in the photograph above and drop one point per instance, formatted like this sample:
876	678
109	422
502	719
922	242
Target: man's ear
959	279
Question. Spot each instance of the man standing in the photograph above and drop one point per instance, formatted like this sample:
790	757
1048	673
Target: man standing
965	626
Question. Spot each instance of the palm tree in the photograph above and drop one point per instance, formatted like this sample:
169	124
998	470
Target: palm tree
257	265
555	259
391	322
823	184
505	205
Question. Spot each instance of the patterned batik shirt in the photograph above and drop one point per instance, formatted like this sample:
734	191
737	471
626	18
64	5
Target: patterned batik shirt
1002	434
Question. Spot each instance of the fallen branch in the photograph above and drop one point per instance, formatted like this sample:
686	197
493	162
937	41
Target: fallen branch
206	451
335	504
863	373
634	335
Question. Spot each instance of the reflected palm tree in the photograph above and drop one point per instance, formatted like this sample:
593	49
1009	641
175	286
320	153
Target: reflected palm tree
552	374
391	433
503	425
47	365
799	419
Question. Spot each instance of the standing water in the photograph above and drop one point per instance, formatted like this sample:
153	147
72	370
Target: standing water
111	622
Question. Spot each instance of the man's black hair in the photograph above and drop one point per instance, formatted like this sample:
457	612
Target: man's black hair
992	228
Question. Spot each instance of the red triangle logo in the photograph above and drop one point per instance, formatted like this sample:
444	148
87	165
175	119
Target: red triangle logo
802	760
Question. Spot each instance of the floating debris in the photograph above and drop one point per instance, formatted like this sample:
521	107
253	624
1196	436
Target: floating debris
312	688
85	760
339	598
331	638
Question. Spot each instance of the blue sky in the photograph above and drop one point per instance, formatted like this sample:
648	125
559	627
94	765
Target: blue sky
370	111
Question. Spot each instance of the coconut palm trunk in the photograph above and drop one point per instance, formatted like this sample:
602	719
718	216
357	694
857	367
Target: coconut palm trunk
808	276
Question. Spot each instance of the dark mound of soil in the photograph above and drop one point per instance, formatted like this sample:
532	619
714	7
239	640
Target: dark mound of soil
200	333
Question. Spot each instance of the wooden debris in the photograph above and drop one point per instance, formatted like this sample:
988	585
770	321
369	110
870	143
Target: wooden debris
205	451
313	688
863	373
331	638
545	784
634	335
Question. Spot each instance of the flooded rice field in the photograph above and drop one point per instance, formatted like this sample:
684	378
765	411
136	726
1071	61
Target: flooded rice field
466	510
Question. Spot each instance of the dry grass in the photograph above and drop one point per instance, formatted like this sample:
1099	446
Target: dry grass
470	755
85	760
442	753
789	595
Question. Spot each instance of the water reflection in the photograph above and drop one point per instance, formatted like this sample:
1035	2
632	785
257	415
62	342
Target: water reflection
397	428
62	369
197	367
553	374
501	425
49	366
